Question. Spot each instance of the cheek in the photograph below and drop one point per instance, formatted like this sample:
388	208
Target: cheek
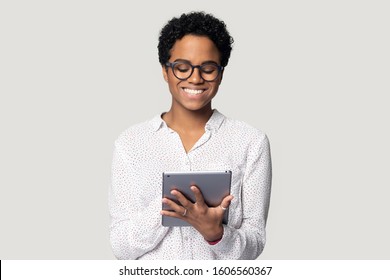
171	79
173	84
215	88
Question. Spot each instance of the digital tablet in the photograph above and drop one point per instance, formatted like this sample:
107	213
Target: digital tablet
214	185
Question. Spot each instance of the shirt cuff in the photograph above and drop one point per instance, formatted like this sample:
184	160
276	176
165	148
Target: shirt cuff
214	242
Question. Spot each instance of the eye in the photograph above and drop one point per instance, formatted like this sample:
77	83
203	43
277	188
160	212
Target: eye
209	68
182	67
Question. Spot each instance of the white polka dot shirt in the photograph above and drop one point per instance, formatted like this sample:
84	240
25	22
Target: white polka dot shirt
144	151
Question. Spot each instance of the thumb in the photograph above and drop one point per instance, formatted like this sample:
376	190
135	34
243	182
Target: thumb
226	201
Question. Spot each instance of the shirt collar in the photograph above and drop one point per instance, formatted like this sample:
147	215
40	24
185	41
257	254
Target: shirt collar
213	124
215	121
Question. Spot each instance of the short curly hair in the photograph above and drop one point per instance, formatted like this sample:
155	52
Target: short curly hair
195	23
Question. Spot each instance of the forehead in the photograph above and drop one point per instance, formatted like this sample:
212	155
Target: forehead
195	49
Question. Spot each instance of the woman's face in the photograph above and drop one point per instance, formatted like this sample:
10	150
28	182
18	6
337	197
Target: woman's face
193	93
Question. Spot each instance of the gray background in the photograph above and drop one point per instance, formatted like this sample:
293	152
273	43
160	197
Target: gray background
314	75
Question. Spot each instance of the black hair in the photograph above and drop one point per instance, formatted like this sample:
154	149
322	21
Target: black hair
195	23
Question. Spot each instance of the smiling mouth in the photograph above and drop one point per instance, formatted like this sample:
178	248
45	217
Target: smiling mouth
193	91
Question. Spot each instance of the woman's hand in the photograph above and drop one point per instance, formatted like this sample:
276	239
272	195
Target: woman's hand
206	220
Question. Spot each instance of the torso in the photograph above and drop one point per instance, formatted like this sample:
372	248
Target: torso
189	139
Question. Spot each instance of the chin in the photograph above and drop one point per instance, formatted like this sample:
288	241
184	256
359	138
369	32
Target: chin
195	108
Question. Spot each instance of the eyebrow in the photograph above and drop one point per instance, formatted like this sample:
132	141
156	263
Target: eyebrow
204	62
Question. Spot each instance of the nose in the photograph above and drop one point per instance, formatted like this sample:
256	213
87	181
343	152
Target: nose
196	77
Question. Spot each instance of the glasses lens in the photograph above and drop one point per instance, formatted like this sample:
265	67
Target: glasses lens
209	72
182	70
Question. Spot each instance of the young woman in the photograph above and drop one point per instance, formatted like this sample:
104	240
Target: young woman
194	50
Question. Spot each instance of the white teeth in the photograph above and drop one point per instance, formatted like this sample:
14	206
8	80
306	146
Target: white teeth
193	91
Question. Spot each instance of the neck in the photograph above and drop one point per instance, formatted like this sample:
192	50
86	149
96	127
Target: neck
181	119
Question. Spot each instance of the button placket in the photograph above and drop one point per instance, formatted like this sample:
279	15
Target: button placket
187	162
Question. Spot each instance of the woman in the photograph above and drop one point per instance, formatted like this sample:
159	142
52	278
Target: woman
193	51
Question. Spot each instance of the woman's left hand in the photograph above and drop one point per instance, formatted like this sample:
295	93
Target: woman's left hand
206	220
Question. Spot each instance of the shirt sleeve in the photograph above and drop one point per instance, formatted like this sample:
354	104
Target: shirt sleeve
135	228
248	241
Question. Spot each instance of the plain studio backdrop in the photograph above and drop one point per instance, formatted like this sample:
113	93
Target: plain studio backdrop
313	75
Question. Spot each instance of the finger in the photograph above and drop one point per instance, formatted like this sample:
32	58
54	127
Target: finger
198	196
182	199
226	201
173	214
173	205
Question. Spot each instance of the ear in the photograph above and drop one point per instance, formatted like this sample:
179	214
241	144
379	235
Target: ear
165	73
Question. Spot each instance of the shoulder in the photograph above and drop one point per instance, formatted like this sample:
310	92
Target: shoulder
244	131
137	133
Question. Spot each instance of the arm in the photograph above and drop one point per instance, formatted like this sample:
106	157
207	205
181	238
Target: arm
247	242
135	225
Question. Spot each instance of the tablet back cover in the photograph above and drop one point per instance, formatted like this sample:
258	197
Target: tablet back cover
214	185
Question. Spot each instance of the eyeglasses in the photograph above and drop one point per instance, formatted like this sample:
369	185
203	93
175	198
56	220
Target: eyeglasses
183	70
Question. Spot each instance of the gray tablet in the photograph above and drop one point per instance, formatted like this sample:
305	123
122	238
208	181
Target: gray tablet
214	185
